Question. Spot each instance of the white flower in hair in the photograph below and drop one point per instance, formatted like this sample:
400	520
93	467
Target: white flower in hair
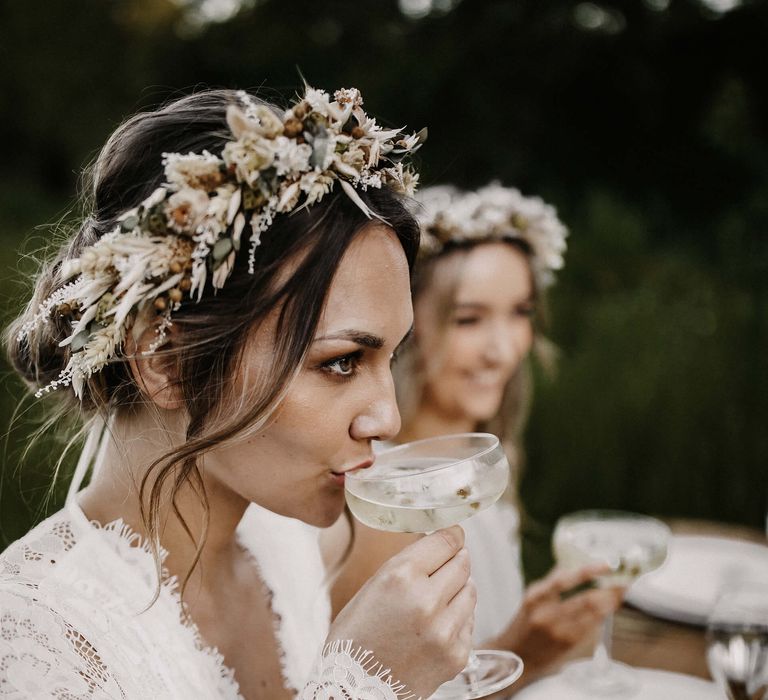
448	216
186	235
186	209
200	171
248	156
291	156
316	185
349	96
318	101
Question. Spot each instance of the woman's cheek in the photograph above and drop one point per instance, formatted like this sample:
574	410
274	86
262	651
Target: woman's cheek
457	344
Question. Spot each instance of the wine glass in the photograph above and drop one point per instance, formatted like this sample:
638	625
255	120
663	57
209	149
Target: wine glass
431	484
737	641
631	545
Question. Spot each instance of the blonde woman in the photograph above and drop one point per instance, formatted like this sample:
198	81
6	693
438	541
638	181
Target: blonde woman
233	278
485	262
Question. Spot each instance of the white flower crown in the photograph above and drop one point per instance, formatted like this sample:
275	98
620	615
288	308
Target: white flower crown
164	250
449	216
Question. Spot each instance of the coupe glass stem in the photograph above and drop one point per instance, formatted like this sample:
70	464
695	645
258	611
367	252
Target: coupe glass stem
602	654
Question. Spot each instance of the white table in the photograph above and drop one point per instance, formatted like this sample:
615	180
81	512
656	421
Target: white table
655	685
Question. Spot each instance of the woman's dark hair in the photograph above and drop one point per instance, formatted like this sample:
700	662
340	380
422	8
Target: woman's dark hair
295	265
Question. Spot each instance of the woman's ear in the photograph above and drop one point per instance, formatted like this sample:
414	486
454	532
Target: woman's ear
155	371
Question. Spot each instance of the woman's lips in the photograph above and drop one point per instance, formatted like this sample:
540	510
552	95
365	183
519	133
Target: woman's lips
486	381
338	476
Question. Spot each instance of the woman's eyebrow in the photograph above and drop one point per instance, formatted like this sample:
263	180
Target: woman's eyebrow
479	306
467	305
367	340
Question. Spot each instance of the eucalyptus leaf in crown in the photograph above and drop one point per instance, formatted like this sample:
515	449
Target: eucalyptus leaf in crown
188	231
494	212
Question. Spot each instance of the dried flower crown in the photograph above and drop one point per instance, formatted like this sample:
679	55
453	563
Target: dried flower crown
190	229
449	216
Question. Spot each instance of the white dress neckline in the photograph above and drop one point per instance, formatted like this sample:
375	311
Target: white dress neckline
299	605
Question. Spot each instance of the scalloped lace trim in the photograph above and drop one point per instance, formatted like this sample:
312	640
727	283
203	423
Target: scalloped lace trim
355	673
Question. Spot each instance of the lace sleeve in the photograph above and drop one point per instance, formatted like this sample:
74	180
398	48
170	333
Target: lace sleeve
346	672
42	656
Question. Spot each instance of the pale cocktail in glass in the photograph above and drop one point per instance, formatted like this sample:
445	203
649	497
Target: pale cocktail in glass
431	484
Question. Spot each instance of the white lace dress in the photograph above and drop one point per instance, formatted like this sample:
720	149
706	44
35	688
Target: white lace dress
74	621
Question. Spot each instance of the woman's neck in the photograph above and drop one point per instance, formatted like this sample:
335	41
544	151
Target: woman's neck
429	422
134	443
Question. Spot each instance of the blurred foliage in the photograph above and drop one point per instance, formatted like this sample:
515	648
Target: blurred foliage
646	123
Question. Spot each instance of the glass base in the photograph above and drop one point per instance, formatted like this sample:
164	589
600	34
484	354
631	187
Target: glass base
487	672
604	678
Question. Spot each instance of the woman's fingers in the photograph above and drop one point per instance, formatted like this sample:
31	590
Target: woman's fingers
597	604
563	581
566	579
431	552
568	621
554	584
450	578
460	612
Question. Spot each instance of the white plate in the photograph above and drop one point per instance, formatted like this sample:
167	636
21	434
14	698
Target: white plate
656	685
684	589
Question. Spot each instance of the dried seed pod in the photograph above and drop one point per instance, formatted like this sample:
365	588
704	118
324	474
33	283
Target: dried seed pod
301	110
292	128
160	304
357	132
175	295
185	285
175	267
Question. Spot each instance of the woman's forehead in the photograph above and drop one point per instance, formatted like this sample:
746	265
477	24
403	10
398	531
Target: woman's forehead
371	287
494	271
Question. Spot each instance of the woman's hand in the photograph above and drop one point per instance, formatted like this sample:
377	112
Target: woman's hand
417	612
551	627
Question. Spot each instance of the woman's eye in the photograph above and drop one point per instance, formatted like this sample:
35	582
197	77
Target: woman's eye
343	366
466	320
526	311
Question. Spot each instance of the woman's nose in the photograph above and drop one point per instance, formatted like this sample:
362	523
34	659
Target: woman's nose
380	417
503	345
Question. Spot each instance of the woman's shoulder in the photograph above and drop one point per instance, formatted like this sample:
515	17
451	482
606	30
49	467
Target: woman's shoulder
76	600
42	654
36	555
66	554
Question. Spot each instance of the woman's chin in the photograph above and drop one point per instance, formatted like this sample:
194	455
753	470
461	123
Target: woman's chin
483	412
326	516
